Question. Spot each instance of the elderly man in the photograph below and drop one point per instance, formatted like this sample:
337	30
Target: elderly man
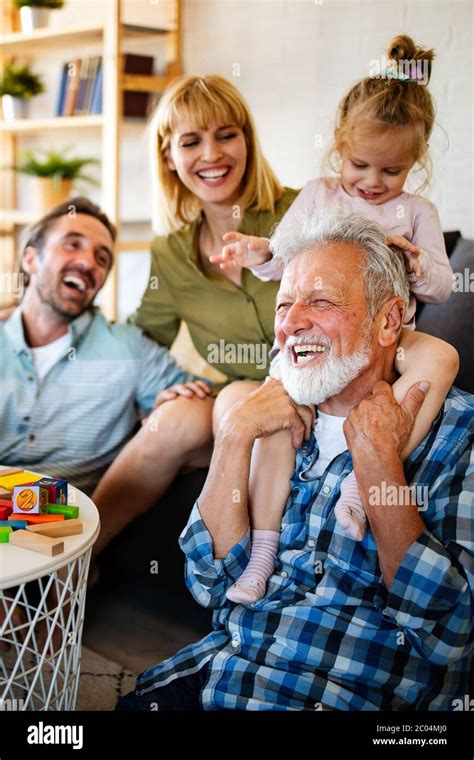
73	387
385	623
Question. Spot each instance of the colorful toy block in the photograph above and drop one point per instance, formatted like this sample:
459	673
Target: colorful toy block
37	543
70	511
57	490
5	471
30	498
14	524
4	513
38	519
5	533
9	481
58	529
5	493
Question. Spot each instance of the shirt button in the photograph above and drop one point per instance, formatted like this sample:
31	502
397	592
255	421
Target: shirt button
31	437
284	574
234	644
27	418
310	543
30	378
326	489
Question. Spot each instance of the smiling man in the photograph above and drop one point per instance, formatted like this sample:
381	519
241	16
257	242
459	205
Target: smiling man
384	623
73	387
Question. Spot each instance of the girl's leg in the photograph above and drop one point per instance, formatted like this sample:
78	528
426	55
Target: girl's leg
271	468
419	357
177	434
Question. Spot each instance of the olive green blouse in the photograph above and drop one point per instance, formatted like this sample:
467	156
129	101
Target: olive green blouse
230	326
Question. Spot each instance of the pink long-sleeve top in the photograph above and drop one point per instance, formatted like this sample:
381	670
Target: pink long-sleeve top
409	215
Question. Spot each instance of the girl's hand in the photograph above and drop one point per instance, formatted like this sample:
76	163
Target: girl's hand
188	390
242	250
411	253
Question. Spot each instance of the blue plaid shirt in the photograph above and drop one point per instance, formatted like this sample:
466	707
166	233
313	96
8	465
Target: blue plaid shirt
328	631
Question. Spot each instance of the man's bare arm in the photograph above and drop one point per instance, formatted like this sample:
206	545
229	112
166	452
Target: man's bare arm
377	430
223	503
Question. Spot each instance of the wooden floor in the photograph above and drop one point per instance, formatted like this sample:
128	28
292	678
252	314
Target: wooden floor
138	626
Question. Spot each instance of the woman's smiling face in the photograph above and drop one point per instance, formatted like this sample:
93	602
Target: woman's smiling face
210	162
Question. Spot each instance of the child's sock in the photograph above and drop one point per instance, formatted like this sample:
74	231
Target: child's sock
252	583
349	511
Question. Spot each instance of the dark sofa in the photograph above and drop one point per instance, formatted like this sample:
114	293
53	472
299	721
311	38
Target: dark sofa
154	536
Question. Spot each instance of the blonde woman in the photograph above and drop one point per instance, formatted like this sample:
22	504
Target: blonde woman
211	178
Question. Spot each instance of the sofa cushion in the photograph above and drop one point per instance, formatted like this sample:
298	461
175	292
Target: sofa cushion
453	320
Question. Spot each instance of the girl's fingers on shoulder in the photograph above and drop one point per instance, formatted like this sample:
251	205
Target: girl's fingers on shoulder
232	236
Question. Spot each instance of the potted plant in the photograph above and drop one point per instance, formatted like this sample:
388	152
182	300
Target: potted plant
18	85
55	172
34	14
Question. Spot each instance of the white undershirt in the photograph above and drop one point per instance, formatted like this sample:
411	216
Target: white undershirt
45	357
331	441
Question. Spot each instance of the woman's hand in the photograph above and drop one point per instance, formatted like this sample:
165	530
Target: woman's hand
411	253
242	250
6	313
188	390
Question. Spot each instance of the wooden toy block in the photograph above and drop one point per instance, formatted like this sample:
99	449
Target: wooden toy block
4	471
58	529
4	513
38	519
5	534
8	481
37	543
70	511
57	490
5	494
14	524
6	503
30	498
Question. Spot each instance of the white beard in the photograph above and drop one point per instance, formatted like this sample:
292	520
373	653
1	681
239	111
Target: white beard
315	384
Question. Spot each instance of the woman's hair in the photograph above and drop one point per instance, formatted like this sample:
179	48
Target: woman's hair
390	100
204	100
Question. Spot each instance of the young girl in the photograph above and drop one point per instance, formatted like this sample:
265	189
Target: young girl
382	133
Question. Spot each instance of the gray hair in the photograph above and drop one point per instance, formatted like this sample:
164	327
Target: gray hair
383	270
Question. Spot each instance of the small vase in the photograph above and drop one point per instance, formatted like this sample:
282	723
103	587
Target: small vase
50	192
14	108
33	18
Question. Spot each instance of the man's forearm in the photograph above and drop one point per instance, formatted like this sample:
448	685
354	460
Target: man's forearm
395	525
223	502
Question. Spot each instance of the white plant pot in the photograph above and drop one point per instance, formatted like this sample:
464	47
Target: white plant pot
14	108
33	18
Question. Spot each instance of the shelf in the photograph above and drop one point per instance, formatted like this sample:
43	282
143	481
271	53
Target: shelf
9	217
54	122
18	42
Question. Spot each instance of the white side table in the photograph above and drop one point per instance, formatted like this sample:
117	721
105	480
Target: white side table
42	602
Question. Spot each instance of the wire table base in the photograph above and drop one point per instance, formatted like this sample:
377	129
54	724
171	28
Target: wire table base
40	639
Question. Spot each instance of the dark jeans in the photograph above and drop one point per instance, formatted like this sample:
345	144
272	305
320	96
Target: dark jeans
180	694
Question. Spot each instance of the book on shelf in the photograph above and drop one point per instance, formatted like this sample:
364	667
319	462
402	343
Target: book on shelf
81	87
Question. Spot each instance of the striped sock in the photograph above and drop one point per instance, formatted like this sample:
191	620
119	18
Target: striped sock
349	511
252	583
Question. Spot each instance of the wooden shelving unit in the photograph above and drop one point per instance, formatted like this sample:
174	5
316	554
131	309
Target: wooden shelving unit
112	35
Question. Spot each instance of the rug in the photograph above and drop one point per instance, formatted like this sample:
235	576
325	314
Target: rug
102	682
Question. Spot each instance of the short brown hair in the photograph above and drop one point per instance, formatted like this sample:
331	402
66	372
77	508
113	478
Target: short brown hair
35	234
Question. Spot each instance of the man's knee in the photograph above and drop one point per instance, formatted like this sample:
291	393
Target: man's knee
183	424
230	395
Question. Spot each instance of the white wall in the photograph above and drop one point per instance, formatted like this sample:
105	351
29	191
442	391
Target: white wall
296	59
